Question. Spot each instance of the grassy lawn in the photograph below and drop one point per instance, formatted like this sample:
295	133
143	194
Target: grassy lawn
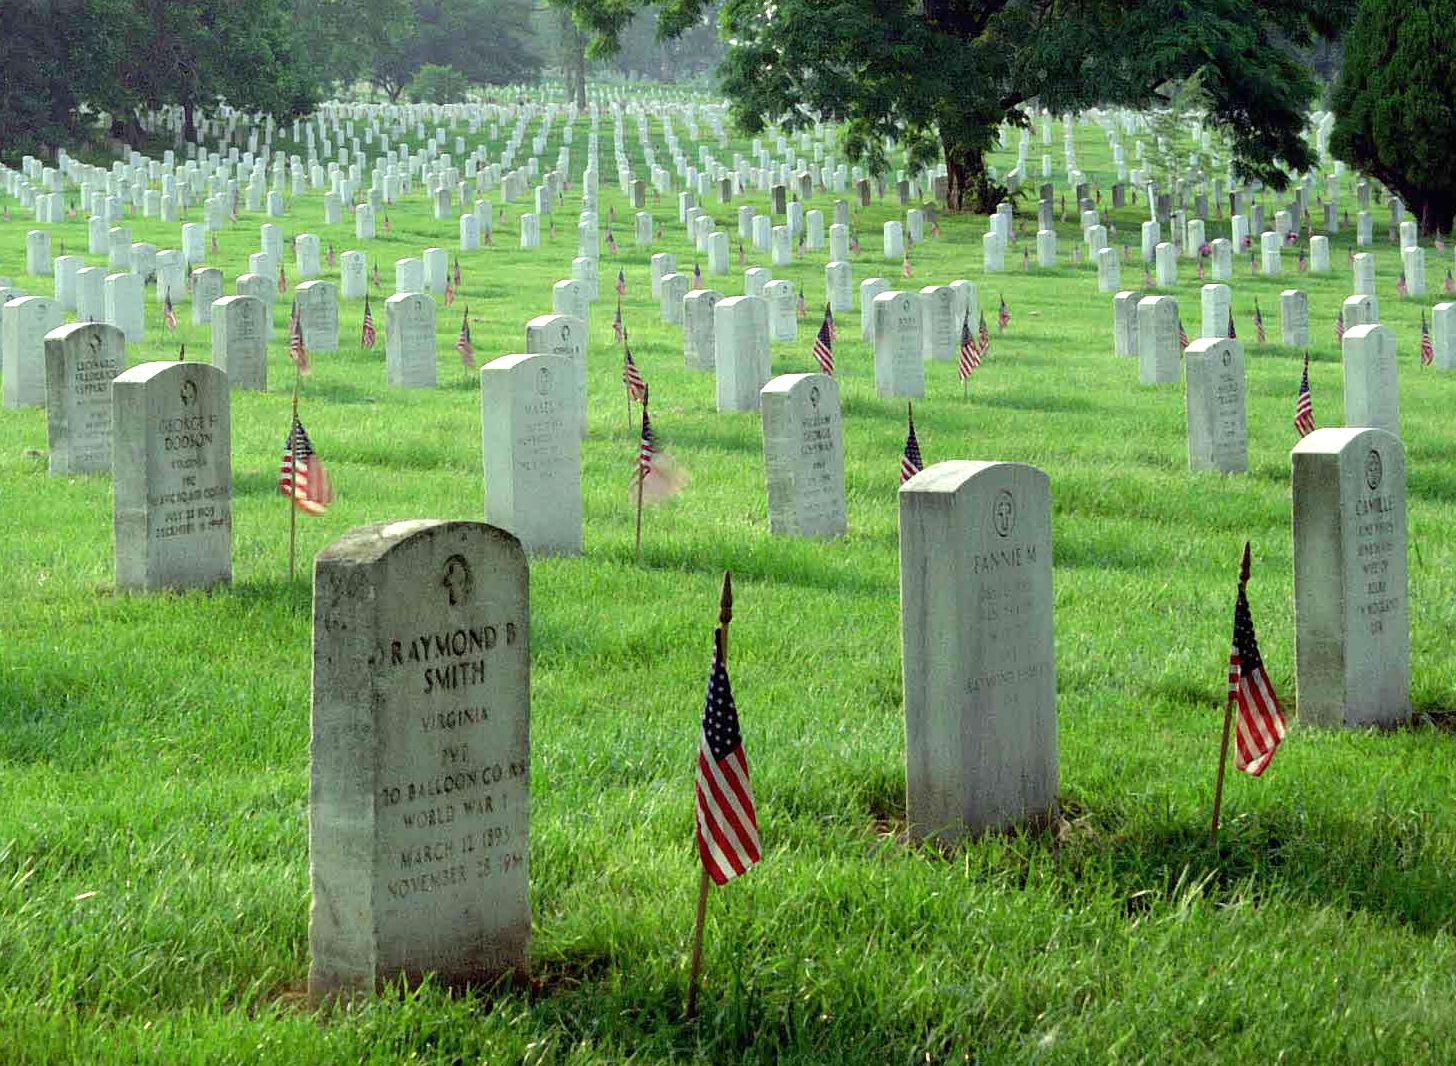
154	749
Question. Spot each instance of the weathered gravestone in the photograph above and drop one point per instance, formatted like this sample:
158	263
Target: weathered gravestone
240	341
206	288
698	328
125	305
1218	436
24	323
1125	323
531	433
940	329
318	315
977	645
564	336
740	351
1215	301
868	290
1294	318
1157	340
899	369
172	477
803	456
419	764
1372	384
80	362
1443	335
409	340
1351	610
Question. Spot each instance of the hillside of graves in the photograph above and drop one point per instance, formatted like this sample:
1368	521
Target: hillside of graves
155	803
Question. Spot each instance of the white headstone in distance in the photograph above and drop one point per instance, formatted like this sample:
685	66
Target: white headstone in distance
1372	383
240	341
64	268
409	340
91	294
978	650
940	329
353	276
24	323
699	329
868	290
436	264
993	253
1294	318
1158	354
803	456
306	255
663	263
1443	335
206	288
1109	270
894	238
126	305
409	275
899	369
172	477
530	429
671	290
318	313
1215	301
839	287
1364	274
1166	262
1351	605
419	801
1218	436
740	351
1125	323
1319	255
783	323
80	362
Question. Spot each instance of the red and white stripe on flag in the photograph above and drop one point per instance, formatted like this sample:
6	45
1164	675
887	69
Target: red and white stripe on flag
727	823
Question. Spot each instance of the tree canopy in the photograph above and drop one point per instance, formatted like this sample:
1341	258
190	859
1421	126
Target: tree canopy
1395	102
937	76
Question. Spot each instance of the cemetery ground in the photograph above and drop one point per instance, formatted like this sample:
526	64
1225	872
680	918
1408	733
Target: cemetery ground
154	887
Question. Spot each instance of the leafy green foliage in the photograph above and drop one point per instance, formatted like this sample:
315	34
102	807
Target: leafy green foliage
487	41
437	84
1395	102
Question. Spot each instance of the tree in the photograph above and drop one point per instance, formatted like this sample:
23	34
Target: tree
1395	103
488	41
938	77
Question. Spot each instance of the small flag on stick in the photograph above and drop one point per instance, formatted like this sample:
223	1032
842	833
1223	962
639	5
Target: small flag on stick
367	336
282	281
1428	351
169	313
296	351
824	344
462	342
911	462
1259	336
970	356
617	328
1003	317
621	284
1303	406
301	475
1340	325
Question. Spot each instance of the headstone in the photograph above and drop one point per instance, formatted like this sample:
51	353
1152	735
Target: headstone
91	294
699	328
206	288
24	323
993	253
531	433
419	801
80	362
565	336
783	321
1166	259
1351	605
1372	383
64	268
1294	318
894	240
1319	255
353	276
306	255
1158	352
126	305
1109	270
1360	311
663	263
839	287
38	253
240	341
899	370
803	456
868	290
741	351
1215	301
940	329
1413	259
672	288
978	651
1218	437
318	313
1443	335
409	340
1221	264
172	477
409	275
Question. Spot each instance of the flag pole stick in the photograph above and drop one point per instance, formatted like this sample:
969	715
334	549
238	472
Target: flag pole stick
641	479
1228	719
292	480
720	636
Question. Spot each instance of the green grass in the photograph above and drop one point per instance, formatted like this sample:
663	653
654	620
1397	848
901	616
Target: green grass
154	749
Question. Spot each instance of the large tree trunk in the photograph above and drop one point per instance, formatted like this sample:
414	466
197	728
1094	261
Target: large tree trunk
189	120
970	186
573	50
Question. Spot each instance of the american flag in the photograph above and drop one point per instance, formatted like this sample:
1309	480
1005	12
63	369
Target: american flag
1003	316
1428	352
296	350
551	228
905	266
462	342
449	291
1303	407
1182	336
1260	721
910	461
457	272
1259	336
632	377
330	258
727	823
214	244
1340	325
367	337
659	233
169	313
970	354
1303	261
1253	262
621	286
617	329
378	281
824	344
1127	253
742	255
386	219
611	243
829	317
647	445
801	309
301	476
1026	259
935	229
1232	333
854	243
1147	278
1401	288
984	335
282	281
697	276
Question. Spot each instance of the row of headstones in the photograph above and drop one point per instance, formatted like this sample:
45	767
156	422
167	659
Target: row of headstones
433	878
